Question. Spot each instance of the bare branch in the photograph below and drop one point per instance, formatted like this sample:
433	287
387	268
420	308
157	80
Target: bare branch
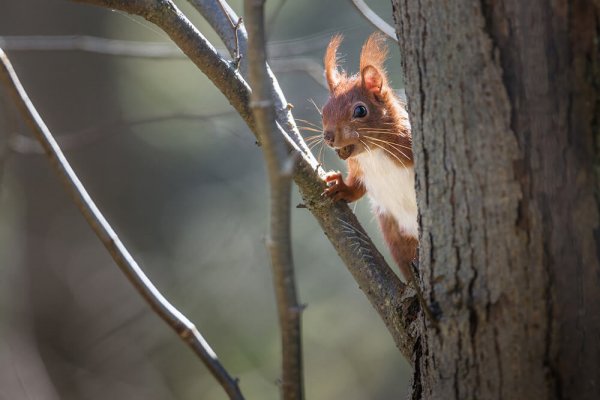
113	47
277	159
235	27
222	19
218	20
160	50
375	19
150	50
74	140
173	317
298	46
301	64
388	295
144	49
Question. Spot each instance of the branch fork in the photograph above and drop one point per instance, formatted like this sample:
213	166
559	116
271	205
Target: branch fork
270	121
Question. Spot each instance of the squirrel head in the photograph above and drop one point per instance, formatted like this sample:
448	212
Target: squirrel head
361	104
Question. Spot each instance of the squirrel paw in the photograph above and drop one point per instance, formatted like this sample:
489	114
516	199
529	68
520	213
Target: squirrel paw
336	188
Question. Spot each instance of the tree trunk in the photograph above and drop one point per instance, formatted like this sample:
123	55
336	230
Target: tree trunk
504	103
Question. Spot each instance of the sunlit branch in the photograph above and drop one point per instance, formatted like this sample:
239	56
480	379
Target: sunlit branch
23	144
374	19
163	51
92	44
301	64
388	295
237	38
173	317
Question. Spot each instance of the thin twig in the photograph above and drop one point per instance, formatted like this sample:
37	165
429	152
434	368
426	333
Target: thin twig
301	64
375	19
286	62
387	294
92	44
274	15
173	317
153	50
77	139
219	20
279	167
222	19
235	26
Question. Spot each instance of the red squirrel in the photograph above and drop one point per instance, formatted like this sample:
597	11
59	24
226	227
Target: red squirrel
366	124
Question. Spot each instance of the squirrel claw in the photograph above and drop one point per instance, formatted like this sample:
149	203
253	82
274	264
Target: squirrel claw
336	188
333	176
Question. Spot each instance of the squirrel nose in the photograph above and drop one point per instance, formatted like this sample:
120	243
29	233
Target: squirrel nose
328	136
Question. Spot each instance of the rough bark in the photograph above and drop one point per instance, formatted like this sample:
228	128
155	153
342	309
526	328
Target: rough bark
503	97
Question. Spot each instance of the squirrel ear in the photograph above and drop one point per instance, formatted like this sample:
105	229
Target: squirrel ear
330	60
372	58
373	80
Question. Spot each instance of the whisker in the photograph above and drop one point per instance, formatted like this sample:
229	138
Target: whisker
377	130
389	142
380	140
391	133
309	128
396	146
314	143
312	147
366	146
383	128
320	157
308	122
317	107
385	133
386	141
390	153
389	123
312	136
363	143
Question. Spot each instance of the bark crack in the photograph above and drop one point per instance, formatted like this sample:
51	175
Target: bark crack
417	385
499	363
553	375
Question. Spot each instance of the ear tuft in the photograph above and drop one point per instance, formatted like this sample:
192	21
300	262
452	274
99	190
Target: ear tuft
331	68
374	52
372	59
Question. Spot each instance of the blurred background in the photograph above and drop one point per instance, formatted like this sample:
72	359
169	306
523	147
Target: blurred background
180	178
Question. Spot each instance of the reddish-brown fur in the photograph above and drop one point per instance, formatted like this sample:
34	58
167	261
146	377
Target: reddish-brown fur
403	247
385	126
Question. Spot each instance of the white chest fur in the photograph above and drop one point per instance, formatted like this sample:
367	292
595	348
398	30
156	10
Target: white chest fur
391	189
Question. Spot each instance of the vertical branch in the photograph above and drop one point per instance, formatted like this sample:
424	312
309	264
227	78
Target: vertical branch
388	295
236	38
173	317
280	167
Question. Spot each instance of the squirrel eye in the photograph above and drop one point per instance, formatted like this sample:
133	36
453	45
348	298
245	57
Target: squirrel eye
360	111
